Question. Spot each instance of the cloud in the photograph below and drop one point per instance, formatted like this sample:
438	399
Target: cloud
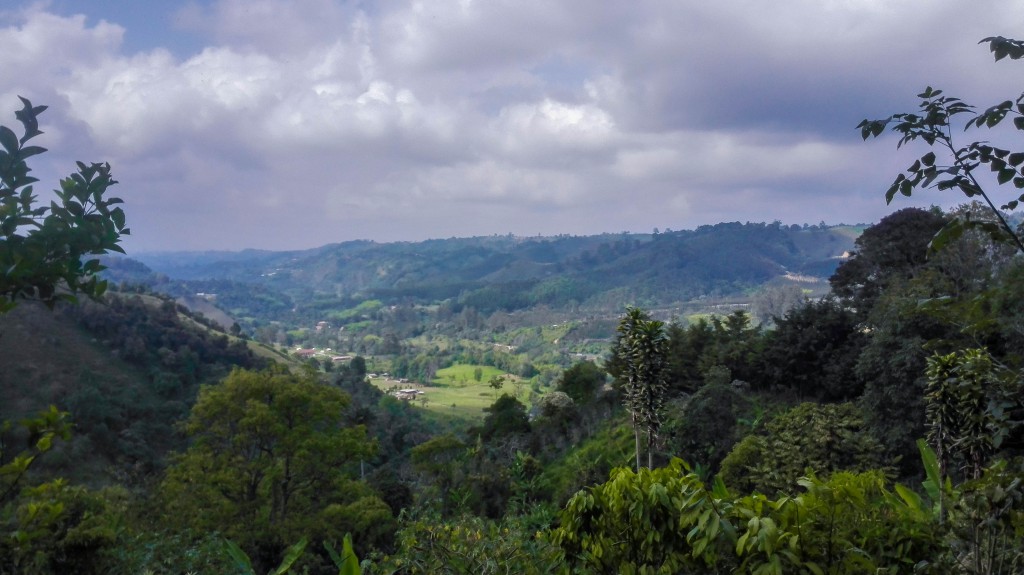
312	121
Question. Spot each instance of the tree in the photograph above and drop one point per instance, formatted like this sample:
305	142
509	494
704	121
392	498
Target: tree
41	248
894	248
820	438
704	427
642	348
441	459
736	344
773	302
506	416
497	383
968	402
933	125
814	349
686	347
271	461
581	381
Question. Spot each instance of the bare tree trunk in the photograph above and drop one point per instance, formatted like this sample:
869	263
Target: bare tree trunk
636	434
650	449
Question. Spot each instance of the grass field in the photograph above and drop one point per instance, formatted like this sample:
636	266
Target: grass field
456	393
463	375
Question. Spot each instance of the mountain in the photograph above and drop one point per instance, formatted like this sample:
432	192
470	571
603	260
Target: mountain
509	273
127	368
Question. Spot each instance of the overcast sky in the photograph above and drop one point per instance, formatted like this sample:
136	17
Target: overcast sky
287	124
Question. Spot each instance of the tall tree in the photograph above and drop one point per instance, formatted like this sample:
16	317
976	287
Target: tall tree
642	348
272	460
813	349
896	248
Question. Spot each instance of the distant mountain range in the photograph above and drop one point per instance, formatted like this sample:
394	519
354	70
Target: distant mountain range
505	272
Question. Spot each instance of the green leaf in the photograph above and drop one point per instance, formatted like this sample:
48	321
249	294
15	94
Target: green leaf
891	192
1005	175
933	482
29	151
117	215
9	140
814	568
950	232
241	560
350	563
912	499
333	553
291	556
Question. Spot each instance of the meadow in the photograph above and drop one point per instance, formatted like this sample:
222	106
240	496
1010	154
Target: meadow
455	392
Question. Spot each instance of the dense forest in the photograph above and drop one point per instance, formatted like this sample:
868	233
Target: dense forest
794	444
498	274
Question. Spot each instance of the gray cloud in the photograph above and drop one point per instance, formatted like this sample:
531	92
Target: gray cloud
306	122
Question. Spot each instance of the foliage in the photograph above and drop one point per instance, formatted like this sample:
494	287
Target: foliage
968	400
809	438
813	350
55	527
130	423
933	124
50	526
686	347
244	564
589	461
582	381
986	522
647	521
271	462
506	416
471	546
642	348
736	344
346	562
441	459
668	521
41	247
166	552
895	248
706	426
41	432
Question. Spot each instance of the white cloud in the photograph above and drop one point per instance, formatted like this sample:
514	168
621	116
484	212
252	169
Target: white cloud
320	119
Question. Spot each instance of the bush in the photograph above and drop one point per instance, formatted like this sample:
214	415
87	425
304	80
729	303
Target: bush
809	438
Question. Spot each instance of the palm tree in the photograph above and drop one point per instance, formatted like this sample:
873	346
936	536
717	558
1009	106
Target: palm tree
642	351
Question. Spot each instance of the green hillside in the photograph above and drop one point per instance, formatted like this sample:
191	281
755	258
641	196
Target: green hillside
127	368
508	273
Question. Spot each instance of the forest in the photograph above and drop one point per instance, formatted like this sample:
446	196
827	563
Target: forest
875	428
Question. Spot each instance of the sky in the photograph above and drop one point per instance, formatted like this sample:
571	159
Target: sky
290	124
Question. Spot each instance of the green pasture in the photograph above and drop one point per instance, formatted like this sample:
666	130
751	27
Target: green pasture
696	317
461	375
456	394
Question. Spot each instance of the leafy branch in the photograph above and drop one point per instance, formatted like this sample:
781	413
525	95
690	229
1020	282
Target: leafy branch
41	247
933	124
